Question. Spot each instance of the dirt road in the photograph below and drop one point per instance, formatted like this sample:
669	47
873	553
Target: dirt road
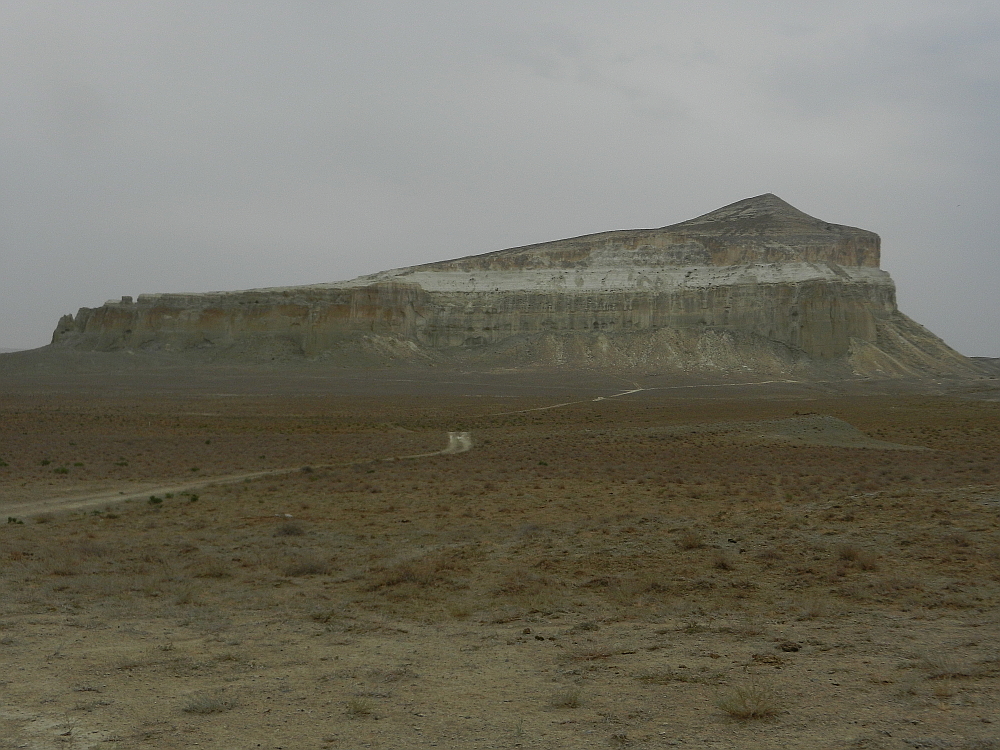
458	442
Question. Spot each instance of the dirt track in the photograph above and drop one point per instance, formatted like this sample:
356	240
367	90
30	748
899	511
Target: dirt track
107	499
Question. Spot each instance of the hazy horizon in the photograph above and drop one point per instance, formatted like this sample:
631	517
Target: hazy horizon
202	146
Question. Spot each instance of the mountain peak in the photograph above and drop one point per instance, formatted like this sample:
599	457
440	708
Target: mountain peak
765	214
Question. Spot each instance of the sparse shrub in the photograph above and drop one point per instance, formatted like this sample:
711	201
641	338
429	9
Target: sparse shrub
592	654
907	687
205	703
867	561
751	701
185	593
723	560
210	568
957	539
894	584
944	688
569	698
291	528
324	615
521	581
669	676
881	678
402	672
749	624
529	530
848	552
814	606
63	562
943	666
308	566
359	708
88	548
154	500
858	556
690	539
630	590
129	661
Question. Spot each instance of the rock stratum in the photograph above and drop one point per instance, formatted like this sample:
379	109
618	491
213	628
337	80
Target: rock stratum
756	286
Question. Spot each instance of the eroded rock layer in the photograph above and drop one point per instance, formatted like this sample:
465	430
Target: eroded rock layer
755	285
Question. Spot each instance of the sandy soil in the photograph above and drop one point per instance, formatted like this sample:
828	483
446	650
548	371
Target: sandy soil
695	566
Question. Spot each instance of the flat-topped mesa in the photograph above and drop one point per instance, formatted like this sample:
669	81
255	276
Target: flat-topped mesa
754	286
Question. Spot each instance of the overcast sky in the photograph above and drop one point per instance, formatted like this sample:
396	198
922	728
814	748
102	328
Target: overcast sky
196	146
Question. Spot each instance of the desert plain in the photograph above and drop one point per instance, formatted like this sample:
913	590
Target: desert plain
240	558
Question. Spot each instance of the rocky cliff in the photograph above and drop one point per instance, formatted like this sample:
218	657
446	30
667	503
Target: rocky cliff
757	285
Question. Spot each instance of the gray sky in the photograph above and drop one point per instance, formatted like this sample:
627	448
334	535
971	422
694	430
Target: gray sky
195	146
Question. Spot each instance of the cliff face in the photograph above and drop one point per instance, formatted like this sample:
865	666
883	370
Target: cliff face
753	277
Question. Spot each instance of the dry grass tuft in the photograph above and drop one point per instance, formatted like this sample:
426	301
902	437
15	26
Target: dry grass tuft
724	560
359	708
690	539
424	572
669	676
124	662
208	703
210	567
396	674
520	582
307	565
569	698
943	666
749	702
629	590
858	556
815	606
750	624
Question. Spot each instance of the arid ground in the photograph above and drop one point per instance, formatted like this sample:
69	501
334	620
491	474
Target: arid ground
780	565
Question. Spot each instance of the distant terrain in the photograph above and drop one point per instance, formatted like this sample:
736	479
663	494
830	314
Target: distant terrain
990	364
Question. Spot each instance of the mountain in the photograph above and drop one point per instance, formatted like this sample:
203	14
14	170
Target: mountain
756	286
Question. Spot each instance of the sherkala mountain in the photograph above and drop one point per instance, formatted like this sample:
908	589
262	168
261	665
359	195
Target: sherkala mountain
756	286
